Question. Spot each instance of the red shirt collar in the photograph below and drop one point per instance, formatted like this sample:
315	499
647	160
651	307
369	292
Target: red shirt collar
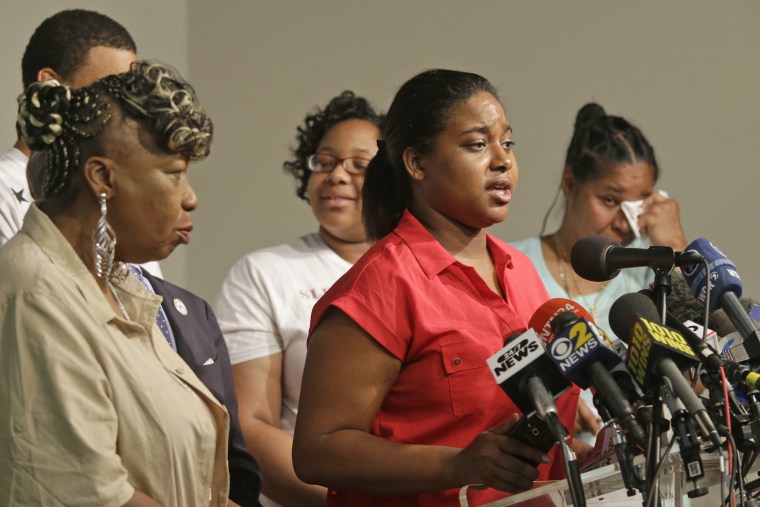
431	255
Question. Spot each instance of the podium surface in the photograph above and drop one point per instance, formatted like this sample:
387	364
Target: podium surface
604	486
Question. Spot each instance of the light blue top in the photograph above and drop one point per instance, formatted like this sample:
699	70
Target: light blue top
629	280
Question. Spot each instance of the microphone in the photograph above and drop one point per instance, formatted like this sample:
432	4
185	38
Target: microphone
725	291
707	355
541	320
529	377
655	351
599	258
584	355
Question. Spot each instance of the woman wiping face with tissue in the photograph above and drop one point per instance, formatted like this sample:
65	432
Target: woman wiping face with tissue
608	183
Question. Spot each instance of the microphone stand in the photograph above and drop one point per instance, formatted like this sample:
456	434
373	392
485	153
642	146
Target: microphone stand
620	444
625	460
661	287
653	451
574	482
688	441
572	470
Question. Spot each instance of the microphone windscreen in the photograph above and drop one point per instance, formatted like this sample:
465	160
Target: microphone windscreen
588	258
681	303
721	323
626	307
562	320
541	320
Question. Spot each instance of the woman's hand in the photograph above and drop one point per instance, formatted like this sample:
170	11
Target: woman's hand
498	461
661	221
586	419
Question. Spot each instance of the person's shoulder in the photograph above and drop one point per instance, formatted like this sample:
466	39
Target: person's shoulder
385	261
22	261
162	287
391	252
13	157
29	273
303	247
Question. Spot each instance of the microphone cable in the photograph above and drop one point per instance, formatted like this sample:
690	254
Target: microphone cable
735	475
705	320
731	450
658	471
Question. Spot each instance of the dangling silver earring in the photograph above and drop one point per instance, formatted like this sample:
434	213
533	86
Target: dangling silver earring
104	247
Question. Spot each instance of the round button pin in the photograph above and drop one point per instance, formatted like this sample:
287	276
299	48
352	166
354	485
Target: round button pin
180	306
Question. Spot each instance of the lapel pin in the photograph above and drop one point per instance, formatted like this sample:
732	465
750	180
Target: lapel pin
180	306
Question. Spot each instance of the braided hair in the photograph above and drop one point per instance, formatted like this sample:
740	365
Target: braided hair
601	141
60	121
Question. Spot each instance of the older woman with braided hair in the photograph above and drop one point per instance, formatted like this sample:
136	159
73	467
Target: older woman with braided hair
96	408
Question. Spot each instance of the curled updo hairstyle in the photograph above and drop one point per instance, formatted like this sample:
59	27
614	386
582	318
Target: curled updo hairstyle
64	123
346	106
419	113
601	142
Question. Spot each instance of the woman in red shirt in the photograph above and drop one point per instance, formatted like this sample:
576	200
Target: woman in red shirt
398	406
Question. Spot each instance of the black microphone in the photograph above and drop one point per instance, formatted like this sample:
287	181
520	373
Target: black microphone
529	377
655	351
599	258
584	355
707	355
725	291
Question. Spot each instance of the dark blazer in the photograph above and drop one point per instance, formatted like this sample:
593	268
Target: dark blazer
199	340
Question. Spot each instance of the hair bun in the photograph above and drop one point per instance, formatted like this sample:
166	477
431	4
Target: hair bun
41	110
589	113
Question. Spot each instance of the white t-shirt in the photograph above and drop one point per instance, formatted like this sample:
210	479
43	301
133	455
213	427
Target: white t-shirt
264	307
14	193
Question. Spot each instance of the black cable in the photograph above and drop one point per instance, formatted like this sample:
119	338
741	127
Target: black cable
707	299
748	460
706	317
732	478
737	468
657	471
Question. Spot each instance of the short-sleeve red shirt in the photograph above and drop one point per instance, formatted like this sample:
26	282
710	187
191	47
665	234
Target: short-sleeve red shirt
441	320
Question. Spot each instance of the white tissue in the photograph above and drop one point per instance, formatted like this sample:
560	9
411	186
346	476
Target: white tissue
632	210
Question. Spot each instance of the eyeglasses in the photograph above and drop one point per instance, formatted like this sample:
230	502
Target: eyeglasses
323	163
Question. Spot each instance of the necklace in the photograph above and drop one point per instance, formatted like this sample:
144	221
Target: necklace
118	301
565	280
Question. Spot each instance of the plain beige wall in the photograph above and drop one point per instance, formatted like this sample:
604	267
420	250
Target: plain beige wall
686	71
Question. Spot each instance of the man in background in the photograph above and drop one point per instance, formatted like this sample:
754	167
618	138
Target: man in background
75	47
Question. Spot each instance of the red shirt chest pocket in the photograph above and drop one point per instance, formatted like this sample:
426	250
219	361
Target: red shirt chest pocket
471	384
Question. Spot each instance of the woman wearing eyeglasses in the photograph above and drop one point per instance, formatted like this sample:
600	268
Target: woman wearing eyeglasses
265	303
